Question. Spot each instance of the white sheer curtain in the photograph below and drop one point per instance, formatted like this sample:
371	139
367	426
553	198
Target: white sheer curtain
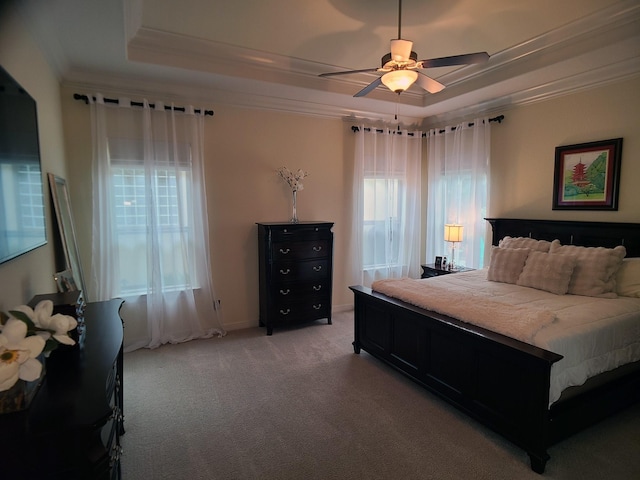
458	189
386	209
150	229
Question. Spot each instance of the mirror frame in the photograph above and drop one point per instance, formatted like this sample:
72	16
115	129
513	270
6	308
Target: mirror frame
66	228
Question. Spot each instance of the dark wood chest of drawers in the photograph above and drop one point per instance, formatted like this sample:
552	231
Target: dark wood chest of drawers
73	426
295	272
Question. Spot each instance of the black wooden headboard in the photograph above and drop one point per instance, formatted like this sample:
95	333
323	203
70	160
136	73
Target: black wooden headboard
587	234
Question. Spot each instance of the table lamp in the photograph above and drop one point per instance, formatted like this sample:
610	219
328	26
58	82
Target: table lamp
453	234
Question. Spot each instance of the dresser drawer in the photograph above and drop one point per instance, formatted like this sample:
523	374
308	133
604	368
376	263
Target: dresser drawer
311	309
304	271
300	233
300	250
299	290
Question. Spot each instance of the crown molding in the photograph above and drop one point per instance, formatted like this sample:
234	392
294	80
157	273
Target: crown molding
595	50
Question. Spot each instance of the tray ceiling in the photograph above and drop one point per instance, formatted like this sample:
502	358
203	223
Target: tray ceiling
269	54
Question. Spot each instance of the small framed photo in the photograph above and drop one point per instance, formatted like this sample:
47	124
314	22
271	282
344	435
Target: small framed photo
438	263
65	281
587	176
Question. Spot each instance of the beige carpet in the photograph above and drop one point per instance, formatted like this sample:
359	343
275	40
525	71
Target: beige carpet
301	405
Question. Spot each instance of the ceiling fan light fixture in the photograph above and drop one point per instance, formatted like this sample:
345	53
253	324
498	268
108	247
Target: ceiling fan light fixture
400	68
401	50
399	80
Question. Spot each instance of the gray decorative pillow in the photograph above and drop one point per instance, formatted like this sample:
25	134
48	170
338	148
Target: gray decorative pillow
506	264
551	273
525	242
595	272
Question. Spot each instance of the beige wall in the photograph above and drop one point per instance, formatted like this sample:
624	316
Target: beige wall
523	151
32	273
243	149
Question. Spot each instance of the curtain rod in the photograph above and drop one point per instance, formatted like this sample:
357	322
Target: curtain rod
85	98
355	128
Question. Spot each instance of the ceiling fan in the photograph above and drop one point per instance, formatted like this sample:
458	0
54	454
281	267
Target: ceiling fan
401	68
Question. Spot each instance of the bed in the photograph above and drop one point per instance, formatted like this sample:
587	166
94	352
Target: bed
501	381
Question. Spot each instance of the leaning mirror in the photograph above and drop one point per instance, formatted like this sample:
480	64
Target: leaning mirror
62	206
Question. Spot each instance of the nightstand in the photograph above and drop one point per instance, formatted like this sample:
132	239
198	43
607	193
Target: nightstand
431	270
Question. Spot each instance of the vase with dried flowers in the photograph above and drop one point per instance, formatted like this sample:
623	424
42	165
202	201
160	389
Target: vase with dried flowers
294	179
28	335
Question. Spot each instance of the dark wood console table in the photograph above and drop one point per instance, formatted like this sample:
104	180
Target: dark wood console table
72	428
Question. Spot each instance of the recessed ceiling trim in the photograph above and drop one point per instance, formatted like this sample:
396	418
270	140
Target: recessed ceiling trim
554	63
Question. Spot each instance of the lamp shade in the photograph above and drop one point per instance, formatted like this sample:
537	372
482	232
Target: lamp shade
453	232
399	80
401	50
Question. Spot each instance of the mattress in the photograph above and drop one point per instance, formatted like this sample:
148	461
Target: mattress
594	335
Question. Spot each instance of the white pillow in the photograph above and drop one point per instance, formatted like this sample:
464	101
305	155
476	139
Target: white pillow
506	264
595	272
628	278
525	242
544	271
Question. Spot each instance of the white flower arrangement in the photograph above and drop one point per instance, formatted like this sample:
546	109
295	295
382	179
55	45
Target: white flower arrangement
294	179
26	333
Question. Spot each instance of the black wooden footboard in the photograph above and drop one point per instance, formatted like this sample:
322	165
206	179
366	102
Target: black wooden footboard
502	382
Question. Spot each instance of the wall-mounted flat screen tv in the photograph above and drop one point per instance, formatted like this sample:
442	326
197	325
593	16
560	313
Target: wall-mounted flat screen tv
22	214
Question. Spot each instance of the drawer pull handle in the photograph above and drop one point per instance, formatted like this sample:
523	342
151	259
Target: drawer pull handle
116	414
317	307
317	248
285	312
285	292
317	288
285	272
284	251
116	453
317	268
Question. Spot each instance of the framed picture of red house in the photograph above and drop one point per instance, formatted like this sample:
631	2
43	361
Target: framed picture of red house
587	176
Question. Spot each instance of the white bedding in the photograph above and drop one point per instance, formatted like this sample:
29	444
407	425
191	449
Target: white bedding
594	335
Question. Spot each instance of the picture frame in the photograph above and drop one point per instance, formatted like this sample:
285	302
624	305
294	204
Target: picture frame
65	281
587	175
438	262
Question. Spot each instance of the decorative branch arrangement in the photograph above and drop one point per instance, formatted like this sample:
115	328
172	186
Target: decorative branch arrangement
294	179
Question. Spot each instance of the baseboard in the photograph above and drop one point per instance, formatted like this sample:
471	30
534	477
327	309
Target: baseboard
241	325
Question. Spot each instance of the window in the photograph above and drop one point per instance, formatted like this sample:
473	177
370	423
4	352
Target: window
458	190
381	233
132	207
386	209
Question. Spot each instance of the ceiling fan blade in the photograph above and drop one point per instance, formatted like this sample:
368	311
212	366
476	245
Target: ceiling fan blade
428	83
365	70
369	87
466	59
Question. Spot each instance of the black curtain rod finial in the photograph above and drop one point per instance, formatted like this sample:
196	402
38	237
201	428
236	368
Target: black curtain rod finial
85	98
77	96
